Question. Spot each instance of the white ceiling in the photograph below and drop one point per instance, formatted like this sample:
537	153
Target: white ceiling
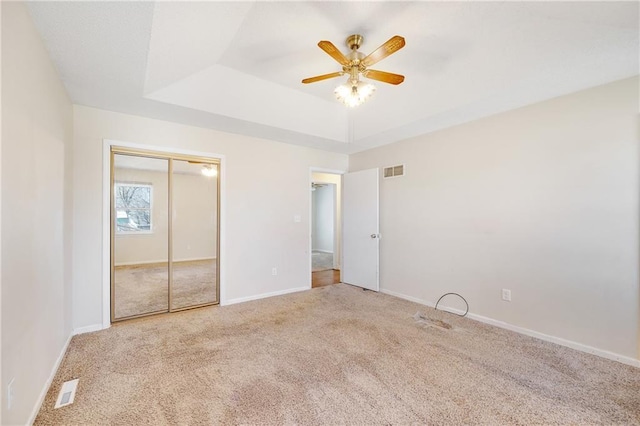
237	66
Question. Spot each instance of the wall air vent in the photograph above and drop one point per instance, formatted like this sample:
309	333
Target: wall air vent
393	171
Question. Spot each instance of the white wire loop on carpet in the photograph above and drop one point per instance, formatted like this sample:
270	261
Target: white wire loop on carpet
456	294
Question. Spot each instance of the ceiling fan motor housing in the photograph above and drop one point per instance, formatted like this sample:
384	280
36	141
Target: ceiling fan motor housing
354	41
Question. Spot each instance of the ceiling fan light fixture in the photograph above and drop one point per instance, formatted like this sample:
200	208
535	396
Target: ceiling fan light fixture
353	94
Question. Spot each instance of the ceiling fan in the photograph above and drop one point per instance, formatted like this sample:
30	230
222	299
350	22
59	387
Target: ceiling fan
355	64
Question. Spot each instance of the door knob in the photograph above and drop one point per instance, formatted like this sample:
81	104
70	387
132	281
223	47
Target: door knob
374	235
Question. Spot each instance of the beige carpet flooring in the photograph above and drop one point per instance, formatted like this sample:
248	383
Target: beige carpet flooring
144	288
334	355
321	261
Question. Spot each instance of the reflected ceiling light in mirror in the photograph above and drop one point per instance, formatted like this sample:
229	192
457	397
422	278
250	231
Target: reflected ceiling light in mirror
209	170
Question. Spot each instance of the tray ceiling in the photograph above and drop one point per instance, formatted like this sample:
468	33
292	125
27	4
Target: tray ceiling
237	66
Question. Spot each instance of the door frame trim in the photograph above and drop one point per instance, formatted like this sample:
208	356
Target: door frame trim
313	170
106	214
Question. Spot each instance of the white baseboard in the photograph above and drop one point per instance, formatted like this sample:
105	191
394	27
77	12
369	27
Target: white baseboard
88	329
263	296
47	385
151	262
528	332
322	251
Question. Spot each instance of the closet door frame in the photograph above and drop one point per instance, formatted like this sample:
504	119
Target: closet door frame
170	157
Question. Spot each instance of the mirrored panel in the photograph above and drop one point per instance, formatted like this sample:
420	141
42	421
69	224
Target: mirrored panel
140	272
194	234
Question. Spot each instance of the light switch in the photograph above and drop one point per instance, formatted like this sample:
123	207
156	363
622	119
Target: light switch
297	218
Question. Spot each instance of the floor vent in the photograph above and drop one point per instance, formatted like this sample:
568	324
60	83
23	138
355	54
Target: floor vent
394	171
67	393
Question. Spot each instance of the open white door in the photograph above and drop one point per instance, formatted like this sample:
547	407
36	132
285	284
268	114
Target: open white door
360	231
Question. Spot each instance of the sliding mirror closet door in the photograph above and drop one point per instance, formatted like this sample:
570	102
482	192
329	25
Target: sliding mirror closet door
140	235
194	234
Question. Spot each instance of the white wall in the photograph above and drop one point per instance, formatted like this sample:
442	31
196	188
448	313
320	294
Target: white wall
36	200
266	186
194	219
324	212
542	200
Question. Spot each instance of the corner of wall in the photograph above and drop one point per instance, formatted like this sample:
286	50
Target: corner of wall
37	124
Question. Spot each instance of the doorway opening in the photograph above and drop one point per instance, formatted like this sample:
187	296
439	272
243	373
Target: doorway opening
325	228
164	232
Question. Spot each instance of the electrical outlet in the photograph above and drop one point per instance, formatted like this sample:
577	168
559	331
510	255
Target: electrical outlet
10	394
506	295
274	271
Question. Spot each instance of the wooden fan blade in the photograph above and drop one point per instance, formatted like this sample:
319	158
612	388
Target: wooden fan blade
392	45
321	77
385	77
333	51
